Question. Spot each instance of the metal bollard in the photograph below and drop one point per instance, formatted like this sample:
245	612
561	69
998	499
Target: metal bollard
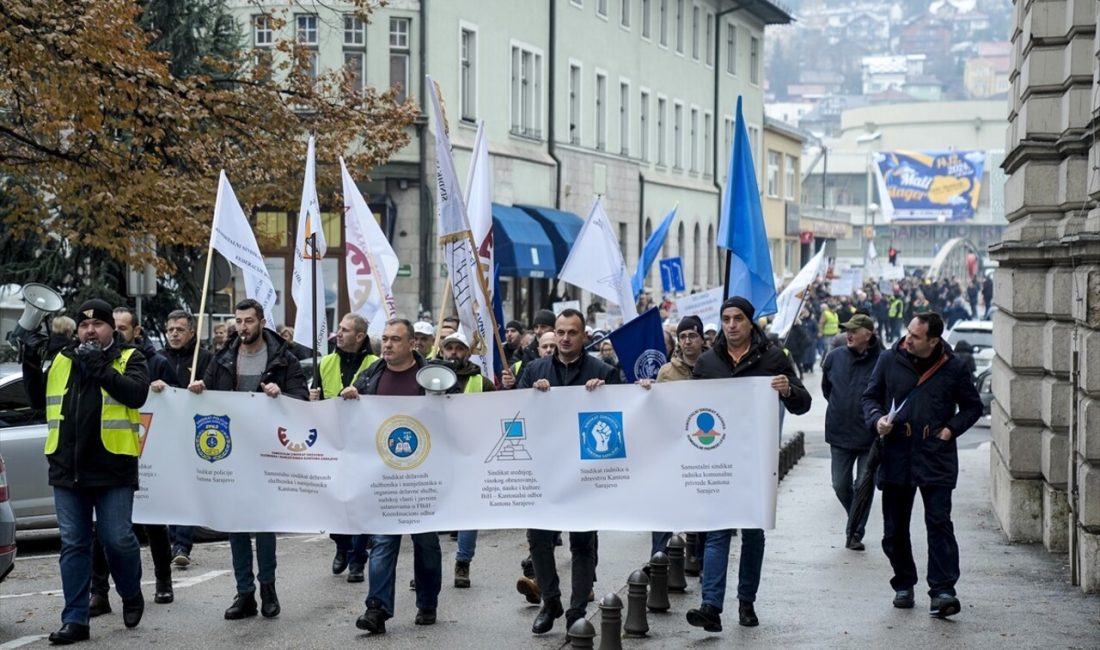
611	622
658	583
691	560
636	623
676	580
582	634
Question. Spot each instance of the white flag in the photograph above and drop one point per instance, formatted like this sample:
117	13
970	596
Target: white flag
233	238
303	285
455	238
790	300
595	263
371	263
479	209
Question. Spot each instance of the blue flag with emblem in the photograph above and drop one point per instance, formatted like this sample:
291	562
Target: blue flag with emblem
741	229
649	253
640	346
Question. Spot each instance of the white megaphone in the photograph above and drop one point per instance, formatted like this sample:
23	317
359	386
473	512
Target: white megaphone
40	301
436	378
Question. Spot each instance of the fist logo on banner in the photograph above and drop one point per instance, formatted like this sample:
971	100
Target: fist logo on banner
212	440
602	435
706	429
403	442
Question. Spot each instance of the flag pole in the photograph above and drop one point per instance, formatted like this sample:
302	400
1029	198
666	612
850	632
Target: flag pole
729	261
446	298
313	272
206	278
801	304
485	292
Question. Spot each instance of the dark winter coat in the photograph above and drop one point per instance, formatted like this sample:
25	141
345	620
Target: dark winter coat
156	365
367	383
575	374
764	359
282	368
912	454
181	361
845	377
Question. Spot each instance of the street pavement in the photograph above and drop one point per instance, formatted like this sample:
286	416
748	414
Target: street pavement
814	593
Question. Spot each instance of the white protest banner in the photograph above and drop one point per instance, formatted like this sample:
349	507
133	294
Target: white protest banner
233	238
705	305
841	286
559	307
892	272
698	455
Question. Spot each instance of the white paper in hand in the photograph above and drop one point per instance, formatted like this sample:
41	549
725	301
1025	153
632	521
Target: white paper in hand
894	408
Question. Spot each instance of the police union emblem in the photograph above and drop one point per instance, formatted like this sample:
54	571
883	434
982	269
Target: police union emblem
403	442
601	435
212	440
648	363
705	428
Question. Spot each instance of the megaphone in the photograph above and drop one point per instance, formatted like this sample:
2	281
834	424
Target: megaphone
436	378
40	301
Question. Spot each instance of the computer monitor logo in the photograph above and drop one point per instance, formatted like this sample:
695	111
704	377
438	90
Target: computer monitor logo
510	446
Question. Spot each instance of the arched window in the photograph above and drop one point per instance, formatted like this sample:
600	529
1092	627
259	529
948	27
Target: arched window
711	253
680	250
696	258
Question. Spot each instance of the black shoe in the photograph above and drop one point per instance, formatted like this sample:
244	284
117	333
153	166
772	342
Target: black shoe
132	610
944	605
98	605
425	617
164	593
530	590
855	543
707	617
551	611
70	633
269	600
462	575
355	573
339	562
570	619
747	614
528	568
182	558
244	605
903	599
373	620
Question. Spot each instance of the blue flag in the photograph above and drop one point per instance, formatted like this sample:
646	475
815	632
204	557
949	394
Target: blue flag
649	253
640	346
741	229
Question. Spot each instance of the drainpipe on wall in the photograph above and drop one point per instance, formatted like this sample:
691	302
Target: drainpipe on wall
551	131
717	112
422	168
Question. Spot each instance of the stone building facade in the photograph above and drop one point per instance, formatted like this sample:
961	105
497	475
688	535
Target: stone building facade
1045	461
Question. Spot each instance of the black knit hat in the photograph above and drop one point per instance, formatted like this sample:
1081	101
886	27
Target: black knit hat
514	325
544	317
693	323
737	301
98	309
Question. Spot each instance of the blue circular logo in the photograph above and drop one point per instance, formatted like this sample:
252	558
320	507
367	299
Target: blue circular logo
403	442
705	422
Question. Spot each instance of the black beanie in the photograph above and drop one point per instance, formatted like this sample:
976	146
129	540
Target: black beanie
737	301
98	309
693	323
544	317
514	325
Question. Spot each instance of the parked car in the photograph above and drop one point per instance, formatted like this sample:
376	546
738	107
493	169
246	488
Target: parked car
22	438
984	383
979	334
7	527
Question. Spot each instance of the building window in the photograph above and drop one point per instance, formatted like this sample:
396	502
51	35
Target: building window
680	26
695	33
693	162
601	8
754	141
399	56
708	123
622	241
710	38
306	29
696	257
624	118
624	13
731	48
773	174
646	19
354	62
526	92
467	79
601	111
790	173
575	104
355	31
754	60
355	40
263	31
678	135
643	123
662	22
662	137
727	146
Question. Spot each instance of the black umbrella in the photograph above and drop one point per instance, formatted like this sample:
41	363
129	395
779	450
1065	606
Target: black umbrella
865	490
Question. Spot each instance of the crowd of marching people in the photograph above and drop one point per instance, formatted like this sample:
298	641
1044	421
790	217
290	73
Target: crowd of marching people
889	350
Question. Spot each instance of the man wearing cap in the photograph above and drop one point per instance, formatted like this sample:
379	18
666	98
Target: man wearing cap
689	336
710	331
340	369
513	332
741	349
846	372
424	339
91	394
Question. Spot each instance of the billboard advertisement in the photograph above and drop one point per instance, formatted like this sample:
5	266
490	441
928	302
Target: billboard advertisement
929	185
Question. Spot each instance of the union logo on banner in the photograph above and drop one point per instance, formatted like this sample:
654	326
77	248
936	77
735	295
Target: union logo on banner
212	439
706	429
296	446
403	442
146	422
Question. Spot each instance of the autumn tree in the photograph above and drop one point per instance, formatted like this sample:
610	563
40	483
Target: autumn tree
115	120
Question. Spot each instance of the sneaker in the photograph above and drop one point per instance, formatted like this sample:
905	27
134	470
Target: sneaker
530	590
707	617
181	559
944	605
746	614
903	599
462	575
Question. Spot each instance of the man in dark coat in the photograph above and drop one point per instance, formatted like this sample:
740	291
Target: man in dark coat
919	399
846	371
741	349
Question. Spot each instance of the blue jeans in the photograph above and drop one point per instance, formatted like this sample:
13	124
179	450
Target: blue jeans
716	559
182	539
113	507
240	544
354	545
659	542
467	545
844	485
427	571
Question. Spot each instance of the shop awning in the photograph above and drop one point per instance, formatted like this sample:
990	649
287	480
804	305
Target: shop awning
521	246
561	227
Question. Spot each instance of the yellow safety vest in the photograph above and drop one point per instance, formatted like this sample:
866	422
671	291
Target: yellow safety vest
832	324
896	308
119	424
474	384
332	382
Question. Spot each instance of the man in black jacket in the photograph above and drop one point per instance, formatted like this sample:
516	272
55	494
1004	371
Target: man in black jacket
846	371
92	393
741	349
569	367
255	359
919	399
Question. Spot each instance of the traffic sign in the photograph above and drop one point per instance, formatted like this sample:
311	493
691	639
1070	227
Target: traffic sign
672	274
